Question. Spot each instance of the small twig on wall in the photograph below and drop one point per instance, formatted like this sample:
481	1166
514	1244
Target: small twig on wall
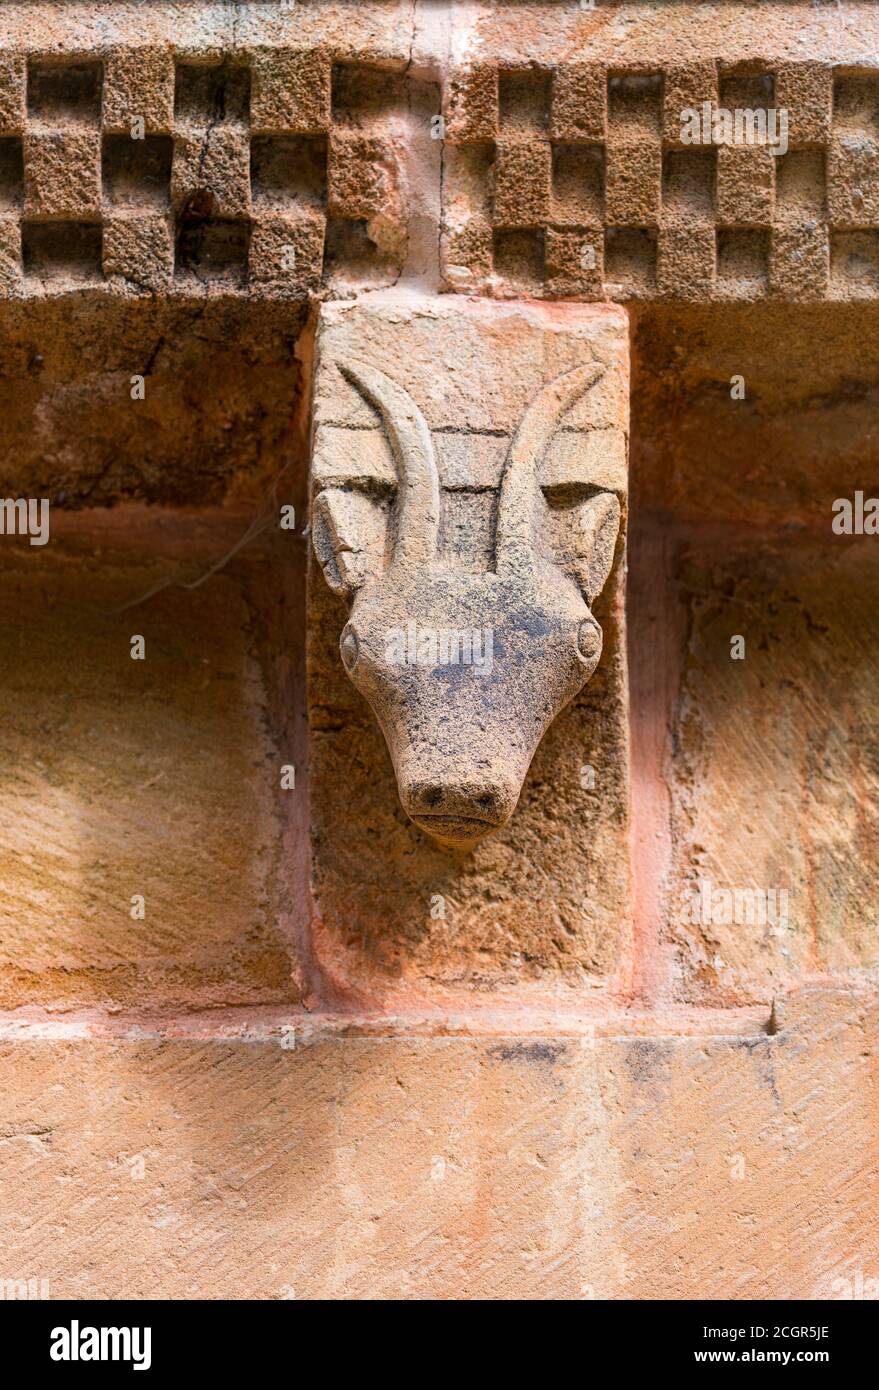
258	525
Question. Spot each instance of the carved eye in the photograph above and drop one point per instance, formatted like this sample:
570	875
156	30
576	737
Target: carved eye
589	641
349	647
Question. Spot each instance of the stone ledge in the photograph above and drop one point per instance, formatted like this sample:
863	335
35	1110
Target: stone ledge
543	1167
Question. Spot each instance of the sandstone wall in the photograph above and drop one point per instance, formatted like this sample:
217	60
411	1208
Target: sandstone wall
291	1077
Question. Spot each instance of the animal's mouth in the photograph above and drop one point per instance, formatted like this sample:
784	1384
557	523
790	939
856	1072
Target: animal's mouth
457	830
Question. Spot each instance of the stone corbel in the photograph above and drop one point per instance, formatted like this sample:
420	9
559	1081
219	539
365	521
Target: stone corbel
469	489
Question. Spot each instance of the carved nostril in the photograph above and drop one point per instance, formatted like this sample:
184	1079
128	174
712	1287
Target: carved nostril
485	803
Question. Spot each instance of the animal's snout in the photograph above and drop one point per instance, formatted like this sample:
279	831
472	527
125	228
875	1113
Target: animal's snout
437	799
458	812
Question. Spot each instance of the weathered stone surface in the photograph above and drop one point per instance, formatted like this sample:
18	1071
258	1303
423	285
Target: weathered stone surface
758	774
616	85
776	778
520	92
158	778
525	1165
530	896
211	95
802	434
220	381
523	1072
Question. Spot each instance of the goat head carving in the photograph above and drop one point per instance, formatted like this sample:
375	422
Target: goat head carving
465	672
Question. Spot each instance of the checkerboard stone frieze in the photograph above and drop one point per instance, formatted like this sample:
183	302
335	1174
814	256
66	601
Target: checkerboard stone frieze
259	172
583	181
278	172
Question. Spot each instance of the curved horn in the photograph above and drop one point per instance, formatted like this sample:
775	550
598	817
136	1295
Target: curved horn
520	488
418	503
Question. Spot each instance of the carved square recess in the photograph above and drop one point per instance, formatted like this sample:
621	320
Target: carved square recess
623	155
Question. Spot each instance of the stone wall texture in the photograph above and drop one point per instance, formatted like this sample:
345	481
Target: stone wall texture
626	1046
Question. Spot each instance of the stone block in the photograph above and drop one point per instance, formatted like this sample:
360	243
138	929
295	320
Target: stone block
799	264
578	111
853	180
151	779
293	1160
10	254
523	174
471	105
13	79
546	896
291	90
139	249
286	251
776	775
805	91
685	87
62	172
138	83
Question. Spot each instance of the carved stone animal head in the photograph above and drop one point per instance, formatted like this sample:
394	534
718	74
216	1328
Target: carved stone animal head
465	672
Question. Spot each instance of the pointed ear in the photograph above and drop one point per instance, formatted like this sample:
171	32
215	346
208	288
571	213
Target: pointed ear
584	527
348	531
584	483
595	527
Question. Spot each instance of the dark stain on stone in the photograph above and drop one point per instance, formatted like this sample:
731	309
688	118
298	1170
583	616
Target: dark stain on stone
762	1051
535	1054
647	1060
